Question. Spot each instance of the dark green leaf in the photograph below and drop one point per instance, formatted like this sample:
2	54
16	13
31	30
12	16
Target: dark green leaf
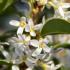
8	3
64	45
4	4
55	26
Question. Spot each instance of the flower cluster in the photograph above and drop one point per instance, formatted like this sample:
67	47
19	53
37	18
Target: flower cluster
27	46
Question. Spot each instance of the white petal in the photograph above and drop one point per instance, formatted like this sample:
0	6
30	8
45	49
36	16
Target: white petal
40	56
23	19
34	43
14	67
50	62
67	14
30	22
46	41
29	69
59	66
6	54
31	62
20	30
28	38
61	12
38	27
43	20
52	67
47	49
37	52
21	37
66	5
14	23
27	28
32	33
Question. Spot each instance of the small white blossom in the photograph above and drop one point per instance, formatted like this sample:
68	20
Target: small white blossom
40	45
15	67
59	6
20	24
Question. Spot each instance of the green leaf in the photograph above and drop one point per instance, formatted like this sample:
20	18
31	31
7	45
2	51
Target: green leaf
4	62
8	3
64	45
4	4
55	26
1	1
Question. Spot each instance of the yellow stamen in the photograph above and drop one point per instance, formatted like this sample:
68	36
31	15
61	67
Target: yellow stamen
22	23
21	41
35	10
42	45
31	29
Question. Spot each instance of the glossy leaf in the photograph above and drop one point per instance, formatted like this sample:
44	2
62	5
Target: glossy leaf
55	26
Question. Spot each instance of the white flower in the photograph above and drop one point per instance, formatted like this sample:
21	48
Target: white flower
40	45
20	45
23	39
31	62
15	67
59	7
20	24
29	26
49	65
6	54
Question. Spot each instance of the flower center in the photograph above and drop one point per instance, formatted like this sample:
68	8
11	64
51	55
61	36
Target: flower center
22	23
31	29
42	45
